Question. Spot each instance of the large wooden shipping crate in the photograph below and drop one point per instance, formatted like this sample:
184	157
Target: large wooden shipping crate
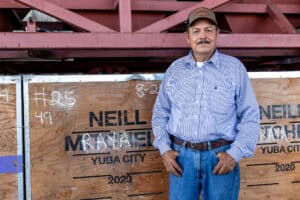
11	156
274	172
89	137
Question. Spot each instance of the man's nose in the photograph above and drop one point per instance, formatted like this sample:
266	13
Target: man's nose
202	34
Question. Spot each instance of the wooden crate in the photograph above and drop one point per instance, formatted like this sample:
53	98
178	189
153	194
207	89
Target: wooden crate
274	171
11	160
90	138
67	115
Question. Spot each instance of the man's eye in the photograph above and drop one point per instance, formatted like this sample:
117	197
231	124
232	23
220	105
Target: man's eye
208	30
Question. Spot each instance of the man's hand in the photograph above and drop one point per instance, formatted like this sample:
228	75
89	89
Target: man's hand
170	163
225	165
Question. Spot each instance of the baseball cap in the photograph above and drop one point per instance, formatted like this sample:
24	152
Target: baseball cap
201	13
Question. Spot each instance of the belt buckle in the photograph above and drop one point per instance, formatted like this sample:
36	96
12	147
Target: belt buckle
193	145
209	145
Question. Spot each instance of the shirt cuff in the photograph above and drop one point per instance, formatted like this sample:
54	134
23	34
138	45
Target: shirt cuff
235	153
163	148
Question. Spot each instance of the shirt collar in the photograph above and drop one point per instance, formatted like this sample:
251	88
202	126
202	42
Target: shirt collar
189	59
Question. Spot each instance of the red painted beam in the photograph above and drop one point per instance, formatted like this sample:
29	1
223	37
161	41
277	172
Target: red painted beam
279	19
259	41
138	40
114	53
147	53
262	52
264	1
252	8
65	15
162	6
125	17
154	5
87	4
69	4
168	53
13	54
11	4
179	17
115	4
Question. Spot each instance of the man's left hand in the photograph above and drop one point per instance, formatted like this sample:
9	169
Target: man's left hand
225	165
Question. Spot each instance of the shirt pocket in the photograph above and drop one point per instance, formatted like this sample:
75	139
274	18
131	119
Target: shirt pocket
221	100
184	95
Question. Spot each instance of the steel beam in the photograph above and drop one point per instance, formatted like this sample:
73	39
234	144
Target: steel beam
252	8
179	17
65	15
161	6
69	4
168	6
172	6
168	53
264	1
259	40
279	19
11	4
115	4
256	53
87	4
138	40
13	54
148	53
114	53
125	17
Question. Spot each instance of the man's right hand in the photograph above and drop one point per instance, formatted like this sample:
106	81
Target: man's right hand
170	163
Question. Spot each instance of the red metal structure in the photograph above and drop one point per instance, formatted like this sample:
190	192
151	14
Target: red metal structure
142	35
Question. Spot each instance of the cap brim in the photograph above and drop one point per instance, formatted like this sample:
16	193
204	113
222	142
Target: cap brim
198	18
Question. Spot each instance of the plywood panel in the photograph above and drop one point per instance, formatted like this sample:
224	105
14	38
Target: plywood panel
274	172
10	161
93	141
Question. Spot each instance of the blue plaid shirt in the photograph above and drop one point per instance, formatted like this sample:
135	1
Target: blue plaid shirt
213	102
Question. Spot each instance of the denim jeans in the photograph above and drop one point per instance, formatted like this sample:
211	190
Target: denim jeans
197	177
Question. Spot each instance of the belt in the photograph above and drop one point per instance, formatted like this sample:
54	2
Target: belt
202	146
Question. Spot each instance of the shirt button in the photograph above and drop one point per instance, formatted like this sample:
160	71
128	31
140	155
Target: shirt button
195	116
197	101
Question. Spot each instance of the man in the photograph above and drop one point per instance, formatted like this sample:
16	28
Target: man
205	118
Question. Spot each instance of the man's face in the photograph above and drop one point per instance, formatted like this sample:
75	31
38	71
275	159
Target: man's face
202	37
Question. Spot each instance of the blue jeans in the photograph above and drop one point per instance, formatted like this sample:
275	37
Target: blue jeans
197	177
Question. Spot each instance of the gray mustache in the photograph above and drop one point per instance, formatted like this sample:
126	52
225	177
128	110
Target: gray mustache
203	42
